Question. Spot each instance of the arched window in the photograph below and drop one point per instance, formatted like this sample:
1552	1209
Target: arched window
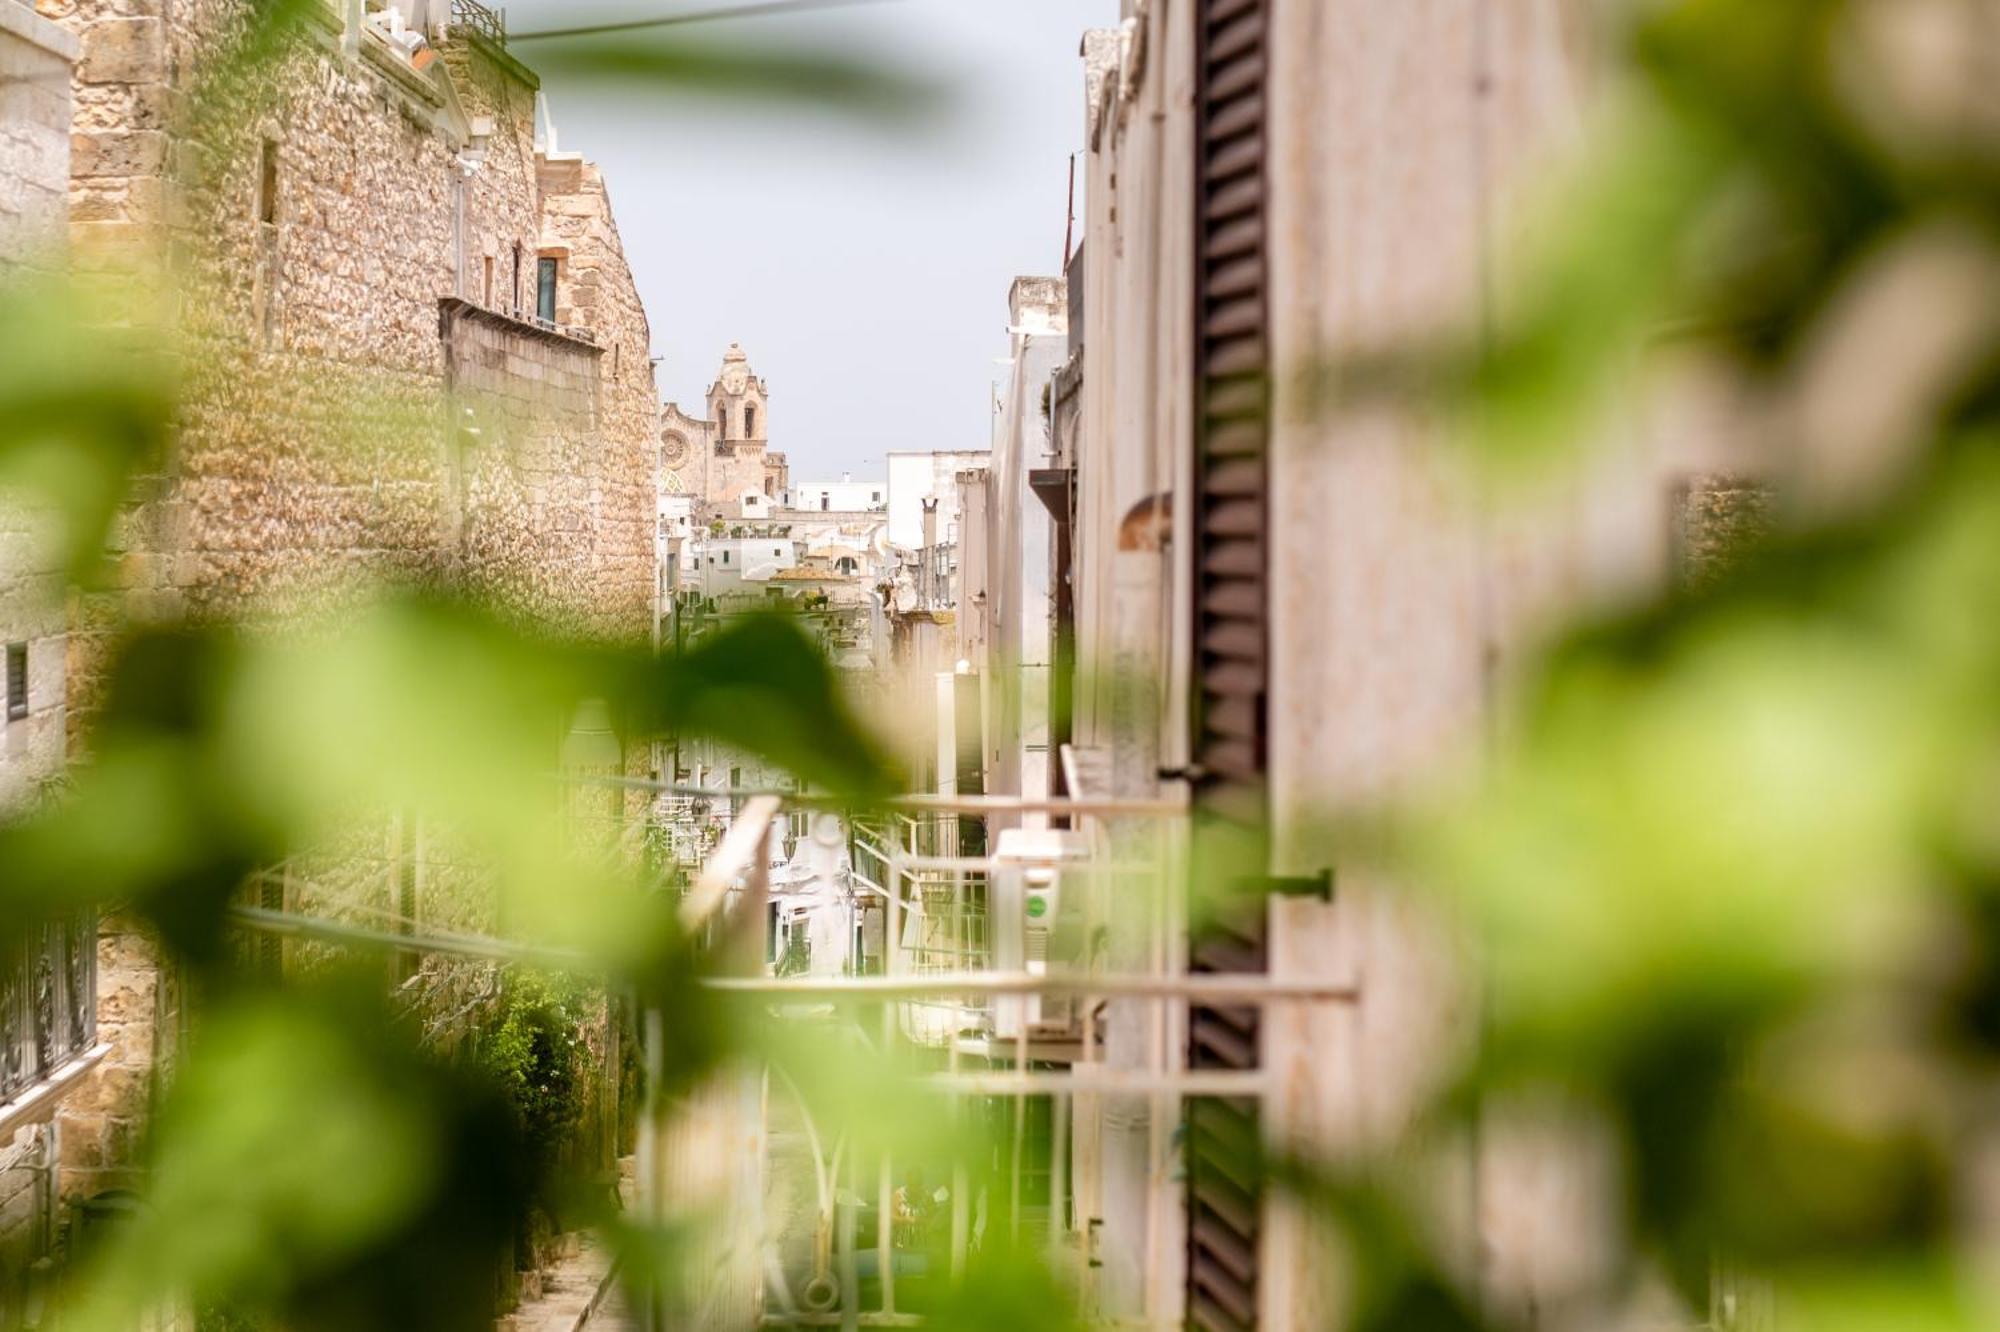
749	420
722	418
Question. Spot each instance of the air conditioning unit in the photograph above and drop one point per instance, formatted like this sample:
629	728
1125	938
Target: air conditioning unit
1035	924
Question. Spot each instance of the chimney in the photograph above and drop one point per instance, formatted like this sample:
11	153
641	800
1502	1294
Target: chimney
930	522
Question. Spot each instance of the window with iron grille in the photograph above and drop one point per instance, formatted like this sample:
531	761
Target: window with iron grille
17	681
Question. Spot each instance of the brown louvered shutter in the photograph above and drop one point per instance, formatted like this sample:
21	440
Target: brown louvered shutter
1232	437
1233	379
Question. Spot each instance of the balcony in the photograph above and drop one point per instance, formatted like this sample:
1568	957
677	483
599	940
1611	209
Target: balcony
48	1019
490	24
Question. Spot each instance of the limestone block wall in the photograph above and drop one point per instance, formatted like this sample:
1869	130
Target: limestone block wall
325	226
35	62
501	207
36	58
595	289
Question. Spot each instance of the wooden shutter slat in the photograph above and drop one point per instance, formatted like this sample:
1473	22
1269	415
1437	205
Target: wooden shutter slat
1232	37
1233	240
1236	517
1241	115
1235	444
1236	318
1232	444
1234	199
1238	399
1236	476
1237	76
1237	277
1222	11
1241	155
1235	559
1235	356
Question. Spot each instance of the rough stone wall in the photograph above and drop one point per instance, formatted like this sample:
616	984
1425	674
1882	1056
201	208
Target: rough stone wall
319	228
595	289
138	1016
35	61
36	58
35	67
320	309
26	1204
501	204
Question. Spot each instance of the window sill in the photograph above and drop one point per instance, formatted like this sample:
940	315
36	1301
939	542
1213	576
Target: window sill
37	1105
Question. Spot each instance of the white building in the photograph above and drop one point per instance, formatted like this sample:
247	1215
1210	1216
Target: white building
843	496
1018	641
915	477
717	566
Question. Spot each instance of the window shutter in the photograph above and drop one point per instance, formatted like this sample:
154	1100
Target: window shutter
1232	416
17	681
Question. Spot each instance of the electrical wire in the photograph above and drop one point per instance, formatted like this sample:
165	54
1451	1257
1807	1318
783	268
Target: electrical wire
764	9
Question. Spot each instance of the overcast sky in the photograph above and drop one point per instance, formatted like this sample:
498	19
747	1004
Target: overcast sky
863	268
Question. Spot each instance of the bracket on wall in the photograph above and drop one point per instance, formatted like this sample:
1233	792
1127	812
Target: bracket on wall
1318	885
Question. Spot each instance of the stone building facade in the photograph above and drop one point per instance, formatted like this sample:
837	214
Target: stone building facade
410	347
723	455
36	61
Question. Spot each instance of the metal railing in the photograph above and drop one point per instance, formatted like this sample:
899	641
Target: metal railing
1041	1045
488	23
48	1003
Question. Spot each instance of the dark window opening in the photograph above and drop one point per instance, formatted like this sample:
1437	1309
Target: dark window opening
17	681
267	184
545	289
749	421
266	292
516	307
825	503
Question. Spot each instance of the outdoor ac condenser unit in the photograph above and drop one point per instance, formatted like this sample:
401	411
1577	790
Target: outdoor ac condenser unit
1035	923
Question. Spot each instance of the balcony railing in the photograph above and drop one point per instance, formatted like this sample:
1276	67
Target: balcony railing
488	23
48	1004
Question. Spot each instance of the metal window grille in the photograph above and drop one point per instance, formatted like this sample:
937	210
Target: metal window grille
48	1010
17	681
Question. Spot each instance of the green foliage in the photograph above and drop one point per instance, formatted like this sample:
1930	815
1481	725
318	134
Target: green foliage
312	1166
1734	876
1733	871
533	1046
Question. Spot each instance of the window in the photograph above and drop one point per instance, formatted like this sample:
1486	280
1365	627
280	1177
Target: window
545	289
874	497
516	307
487	299
267	184
266	291
17	681
725	557
749	420
825	502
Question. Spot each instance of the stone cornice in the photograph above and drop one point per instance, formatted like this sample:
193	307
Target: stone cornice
451	309
23	22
